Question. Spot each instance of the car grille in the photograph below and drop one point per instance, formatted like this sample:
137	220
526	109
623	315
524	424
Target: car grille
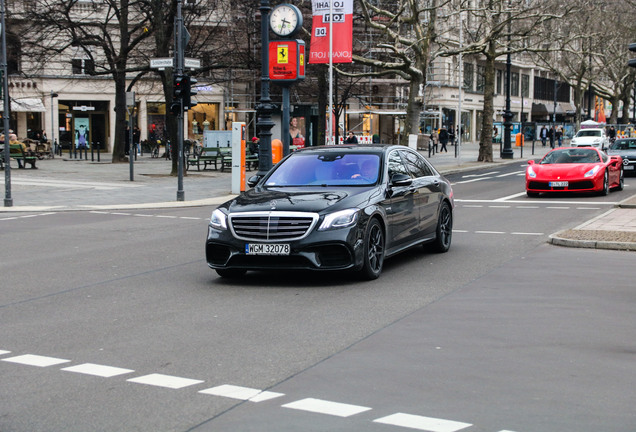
272	226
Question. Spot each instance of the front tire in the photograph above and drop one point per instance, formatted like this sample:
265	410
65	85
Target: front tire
606	188
621	181
532	194
444	231
374	249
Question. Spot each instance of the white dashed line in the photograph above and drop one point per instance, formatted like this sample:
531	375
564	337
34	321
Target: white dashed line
326	407
489	232
242	393
35	360
4	352
168	381
98	370
422	423
558	208
527	233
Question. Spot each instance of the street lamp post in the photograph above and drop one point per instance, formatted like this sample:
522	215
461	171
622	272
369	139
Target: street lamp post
53	150
6	115
506	152
265	108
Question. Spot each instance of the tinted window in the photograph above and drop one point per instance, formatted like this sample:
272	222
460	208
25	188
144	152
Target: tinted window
416	164
396	165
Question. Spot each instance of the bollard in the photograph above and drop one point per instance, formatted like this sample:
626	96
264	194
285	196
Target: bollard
92	156
72	150
98	152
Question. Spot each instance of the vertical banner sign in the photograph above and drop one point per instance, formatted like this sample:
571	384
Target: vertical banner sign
342	31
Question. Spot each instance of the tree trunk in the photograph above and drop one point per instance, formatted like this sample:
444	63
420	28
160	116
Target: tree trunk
120	119
485	142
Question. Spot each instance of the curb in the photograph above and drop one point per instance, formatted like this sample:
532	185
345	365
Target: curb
557	240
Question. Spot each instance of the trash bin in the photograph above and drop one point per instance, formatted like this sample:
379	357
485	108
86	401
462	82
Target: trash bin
277	150
519	139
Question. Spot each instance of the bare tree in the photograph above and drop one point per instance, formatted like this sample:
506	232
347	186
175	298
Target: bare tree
492	29
406	29
107	33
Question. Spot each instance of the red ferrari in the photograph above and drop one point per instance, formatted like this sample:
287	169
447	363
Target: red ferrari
574	169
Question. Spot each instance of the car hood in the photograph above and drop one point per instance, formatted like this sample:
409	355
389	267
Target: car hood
630	154
564	170
294	199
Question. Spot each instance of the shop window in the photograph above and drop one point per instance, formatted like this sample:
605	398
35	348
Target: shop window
514	84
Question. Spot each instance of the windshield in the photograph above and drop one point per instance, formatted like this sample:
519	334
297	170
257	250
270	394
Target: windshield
327	169
624	145
588	133
569	156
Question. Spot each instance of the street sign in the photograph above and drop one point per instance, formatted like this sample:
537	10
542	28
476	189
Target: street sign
161	63
192	63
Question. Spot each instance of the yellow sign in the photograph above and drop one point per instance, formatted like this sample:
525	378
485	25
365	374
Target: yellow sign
302	59
283	54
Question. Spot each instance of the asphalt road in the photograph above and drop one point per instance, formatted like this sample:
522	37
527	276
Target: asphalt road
112	321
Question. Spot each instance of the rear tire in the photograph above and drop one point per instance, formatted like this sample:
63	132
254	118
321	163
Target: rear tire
444	231
621	181
374	249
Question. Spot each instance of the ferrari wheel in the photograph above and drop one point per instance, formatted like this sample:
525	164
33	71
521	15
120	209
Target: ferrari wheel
606	189
621	180
373	251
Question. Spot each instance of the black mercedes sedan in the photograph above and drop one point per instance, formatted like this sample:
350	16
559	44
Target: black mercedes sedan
340	207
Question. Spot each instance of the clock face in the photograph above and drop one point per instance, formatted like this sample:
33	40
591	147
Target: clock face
285	19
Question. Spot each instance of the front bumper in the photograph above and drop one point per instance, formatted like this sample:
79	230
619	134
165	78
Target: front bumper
337	249
574	185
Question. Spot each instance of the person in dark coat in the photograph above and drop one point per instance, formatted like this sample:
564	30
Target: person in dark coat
443	140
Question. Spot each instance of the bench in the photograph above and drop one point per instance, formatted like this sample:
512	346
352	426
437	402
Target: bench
17	152
208	156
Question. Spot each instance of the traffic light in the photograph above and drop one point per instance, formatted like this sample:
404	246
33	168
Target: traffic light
191	91
632	62
175	107
179	87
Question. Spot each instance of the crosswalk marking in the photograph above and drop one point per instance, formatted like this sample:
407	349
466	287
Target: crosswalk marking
98	370
35	360
326	407
160	380
422	423
241	393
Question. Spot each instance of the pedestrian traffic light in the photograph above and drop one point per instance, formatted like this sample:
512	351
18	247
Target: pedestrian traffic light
179	87
175	107
632	62
191	91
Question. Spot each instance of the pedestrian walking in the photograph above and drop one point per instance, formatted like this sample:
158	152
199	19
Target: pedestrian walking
551	136
559	135
543	133
443	140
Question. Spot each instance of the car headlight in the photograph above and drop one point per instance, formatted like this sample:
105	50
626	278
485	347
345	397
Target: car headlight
593	171
218	220
340	219
531	172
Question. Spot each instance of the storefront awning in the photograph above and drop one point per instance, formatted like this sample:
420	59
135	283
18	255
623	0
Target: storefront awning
26	105
539	109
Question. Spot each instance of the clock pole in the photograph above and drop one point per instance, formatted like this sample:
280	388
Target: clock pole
264	109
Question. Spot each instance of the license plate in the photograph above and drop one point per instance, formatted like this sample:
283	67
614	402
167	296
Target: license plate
629	167
267	248
558	184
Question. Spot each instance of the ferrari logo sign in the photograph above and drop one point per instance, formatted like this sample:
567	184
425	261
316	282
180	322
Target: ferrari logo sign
286	60
283	54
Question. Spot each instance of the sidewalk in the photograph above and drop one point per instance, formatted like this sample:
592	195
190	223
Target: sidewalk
64	184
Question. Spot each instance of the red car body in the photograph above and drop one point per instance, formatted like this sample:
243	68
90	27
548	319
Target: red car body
574	169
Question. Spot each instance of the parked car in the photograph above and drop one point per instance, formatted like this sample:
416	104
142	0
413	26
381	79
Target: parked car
592	137
625	148
573	169
344	207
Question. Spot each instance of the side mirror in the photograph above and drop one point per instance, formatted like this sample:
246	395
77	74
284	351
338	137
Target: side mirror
401	180
253	181
531	162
